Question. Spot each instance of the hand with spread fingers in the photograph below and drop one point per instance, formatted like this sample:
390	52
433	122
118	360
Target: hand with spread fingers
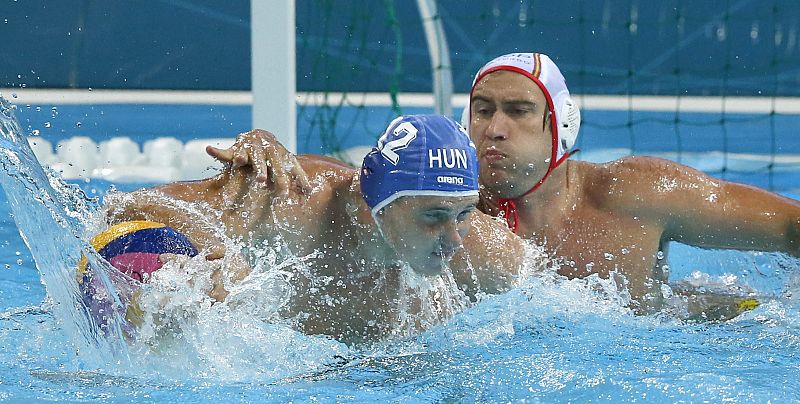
260	152
247	203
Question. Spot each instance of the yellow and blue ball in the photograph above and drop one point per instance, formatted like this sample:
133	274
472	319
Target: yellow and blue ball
133	248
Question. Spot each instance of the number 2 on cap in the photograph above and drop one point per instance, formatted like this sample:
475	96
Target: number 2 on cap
388	148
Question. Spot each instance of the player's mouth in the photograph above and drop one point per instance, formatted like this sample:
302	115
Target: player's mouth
492	155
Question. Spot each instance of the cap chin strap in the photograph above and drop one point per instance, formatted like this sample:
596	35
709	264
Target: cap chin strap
508	206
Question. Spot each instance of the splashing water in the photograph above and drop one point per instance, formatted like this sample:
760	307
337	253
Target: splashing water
547	339
181	333
50	215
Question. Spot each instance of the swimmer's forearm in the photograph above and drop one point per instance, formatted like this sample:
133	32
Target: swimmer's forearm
496	256
739	217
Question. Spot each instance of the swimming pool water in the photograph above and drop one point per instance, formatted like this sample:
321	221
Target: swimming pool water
549	340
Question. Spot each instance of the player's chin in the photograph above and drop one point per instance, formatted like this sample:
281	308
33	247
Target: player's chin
496	172
432	265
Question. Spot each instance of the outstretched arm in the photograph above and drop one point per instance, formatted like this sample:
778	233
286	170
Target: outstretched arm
197	221
699	210
749	218
155	205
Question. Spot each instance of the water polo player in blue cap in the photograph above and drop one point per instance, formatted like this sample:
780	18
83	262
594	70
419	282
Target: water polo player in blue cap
420	162
365	234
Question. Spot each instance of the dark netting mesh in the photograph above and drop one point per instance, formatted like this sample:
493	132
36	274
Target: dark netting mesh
709	83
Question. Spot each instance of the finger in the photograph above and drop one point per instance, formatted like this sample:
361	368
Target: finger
301	178
259	158
277	178
262	169
282	183
291	173
241	158
221	155
288	174
215	252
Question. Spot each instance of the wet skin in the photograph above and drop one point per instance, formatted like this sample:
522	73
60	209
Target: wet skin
618	216
510	128
427	231
612	218
348	286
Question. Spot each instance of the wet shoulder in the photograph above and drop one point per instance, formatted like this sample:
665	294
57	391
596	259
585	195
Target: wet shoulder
316	163
331	170
330	178
189	191
631	181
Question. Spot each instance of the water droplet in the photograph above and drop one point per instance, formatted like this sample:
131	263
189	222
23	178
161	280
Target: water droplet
35	132
19	262
625	251
90	89
608	256
38	109
660	255
47	124
13	95
666	291
78	124
17	253
8	266
19	76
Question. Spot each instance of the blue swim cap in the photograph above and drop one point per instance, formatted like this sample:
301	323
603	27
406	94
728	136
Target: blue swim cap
419	155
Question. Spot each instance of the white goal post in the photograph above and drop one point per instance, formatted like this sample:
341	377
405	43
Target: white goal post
272	43
272	25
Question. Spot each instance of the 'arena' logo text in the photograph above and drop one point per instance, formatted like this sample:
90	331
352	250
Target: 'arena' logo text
450	180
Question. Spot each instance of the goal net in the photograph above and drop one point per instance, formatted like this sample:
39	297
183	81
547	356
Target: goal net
712	86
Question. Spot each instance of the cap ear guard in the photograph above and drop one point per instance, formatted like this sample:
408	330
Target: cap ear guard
570	124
